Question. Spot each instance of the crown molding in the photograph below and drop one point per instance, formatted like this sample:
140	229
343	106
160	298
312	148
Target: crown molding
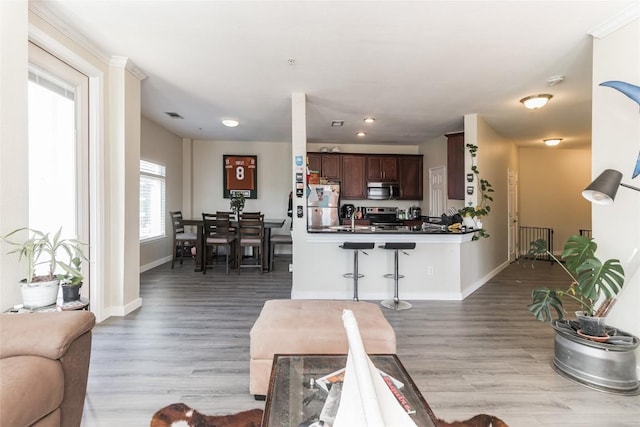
616	22
126	63
59	23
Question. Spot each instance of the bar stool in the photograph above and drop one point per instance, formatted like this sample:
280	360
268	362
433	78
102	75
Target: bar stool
356	247
395	303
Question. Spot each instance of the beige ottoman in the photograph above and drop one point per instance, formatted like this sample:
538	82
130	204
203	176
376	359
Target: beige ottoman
311	327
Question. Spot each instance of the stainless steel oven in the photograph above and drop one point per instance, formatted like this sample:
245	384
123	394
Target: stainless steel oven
383	190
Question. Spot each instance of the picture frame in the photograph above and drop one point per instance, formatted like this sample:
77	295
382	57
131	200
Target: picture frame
240	175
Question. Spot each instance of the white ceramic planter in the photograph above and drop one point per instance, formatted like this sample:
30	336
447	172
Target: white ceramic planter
40	294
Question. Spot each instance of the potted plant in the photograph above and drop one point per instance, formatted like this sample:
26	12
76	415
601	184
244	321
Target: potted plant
237	203
41	253
71	280
593	285
472	215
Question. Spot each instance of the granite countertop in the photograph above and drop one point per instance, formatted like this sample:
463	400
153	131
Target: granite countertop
363	229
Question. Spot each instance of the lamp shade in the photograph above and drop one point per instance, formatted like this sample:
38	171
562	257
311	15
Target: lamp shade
603	189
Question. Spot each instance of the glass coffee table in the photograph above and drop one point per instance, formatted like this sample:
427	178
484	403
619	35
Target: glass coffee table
300	386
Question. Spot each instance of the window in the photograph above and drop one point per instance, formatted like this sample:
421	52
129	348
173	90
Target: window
152	200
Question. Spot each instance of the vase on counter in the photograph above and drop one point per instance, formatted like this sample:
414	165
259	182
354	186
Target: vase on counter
469	222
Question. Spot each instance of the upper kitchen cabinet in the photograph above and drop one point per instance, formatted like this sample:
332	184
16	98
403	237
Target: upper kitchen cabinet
314	162
382	168
455	165
332	166
410	177
354	185
328	165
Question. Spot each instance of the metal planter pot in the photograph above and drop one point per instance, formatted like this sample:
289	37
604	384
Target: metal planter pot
608	367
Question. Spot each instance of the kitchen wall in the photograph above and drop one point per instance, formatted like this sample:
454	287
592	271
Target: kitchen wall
551	180
160	146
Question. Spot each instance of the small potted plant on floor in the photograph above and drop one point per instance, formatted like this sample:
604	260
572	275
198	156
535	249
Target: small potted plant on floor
42	255
594	284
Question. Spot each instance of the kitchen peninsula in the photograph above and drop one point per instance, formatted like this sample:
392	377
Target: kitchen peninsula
439	268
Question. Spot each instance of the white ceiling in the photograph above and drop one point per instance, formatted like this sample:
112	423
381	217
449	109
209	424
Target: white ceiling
418	66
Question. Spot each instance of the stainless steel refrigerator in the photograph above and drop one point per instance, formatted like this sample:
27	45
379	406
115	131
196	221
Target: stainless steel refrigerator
323	205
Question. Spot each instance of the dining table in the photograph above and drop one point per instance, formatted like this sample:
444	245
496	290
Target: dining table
200	246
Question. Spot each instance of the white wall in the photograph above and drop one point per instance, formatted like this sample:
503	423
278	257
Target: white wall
551	180
274	177
14	197
615	145
160	146
114	272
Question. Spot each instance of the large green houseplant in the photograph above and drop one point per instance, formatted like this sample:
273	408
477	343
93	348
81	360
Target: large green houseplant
594	284
48	259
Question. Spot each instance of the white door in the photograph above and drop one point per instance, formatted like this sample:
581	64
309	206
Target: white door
58	149
512	216
437	190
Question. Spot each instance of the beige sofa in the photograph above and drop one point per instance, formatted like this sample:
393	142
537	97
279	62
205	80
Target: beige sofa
44	364
311	327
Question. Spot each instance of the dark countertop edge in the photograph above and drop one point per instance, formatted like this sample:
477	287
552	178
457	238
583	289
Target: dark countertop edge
387	232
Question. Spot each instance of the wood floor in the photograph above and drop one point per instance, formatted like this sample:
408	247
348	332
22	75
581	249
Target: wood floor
189	342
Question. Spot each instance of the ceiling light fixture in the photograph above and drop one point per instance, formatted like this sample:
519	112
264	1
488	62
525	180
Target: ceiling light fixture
369	119
551	142
536	101
603	189
361	133
230	123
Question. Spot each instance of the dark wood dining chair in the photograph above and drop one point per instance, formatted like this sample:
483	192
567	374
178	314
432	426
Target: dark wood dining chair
217	233
278	239
250	234
181	239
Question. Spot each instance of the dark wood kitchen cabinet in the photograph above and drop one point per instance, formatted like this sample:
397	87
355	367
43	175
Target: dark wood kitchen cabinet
327	165
354	185
382	168
410	177
314	162
332	166
455	165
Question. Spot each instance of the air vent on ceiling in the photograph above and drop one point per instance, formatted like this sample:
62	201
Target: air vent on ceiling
173	115
337	123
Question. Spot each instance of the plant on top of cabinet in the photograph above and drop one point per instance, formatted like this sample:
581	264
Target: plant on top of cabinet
483	188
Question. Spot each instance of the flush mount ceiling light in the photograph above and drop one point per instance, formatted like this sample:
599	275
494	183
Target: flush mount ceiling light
337	123
552	141
361	133
536	101
230	123
369	119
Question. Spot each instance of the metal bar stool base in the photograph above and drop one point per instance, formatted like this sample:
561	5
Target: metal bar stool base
396	305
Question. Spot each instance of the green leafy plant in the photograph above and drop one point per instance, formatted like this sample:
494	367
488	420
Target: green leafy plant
483	189
237	202
45	249
590	279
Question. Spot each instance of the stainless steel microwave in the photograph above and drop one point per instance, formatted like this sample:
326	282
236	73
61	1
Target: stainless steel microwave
383	190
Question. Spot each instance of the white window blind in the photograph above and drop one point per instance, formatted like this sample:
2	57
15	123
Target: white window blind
152	200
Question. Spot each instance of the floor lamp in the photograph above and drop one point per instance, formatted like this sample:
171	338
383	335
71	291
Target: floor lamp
602	191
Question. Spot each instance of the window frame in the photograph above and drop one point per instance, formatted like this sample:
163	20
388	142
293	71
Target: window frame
156	172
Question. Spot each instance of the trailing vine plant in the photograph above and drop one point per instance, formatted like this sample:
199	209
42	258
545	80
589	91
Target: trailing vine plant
484	190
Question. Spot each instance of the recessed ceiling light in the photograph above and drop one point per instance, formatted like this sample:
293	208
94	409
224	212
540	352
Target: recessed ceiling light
369	119
230	123
336	123
552	141
536	101
173	115
361	133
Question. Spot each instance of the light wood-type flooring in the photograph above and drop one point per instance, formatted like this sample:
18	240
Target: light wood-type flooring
189	342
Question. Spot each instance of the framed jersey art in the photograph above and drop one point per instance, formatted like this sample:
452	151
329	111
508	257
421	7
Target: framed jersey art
240	175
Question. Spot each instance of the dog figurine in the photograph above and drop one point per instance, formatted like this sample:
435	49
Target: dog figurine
181	415
482	420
